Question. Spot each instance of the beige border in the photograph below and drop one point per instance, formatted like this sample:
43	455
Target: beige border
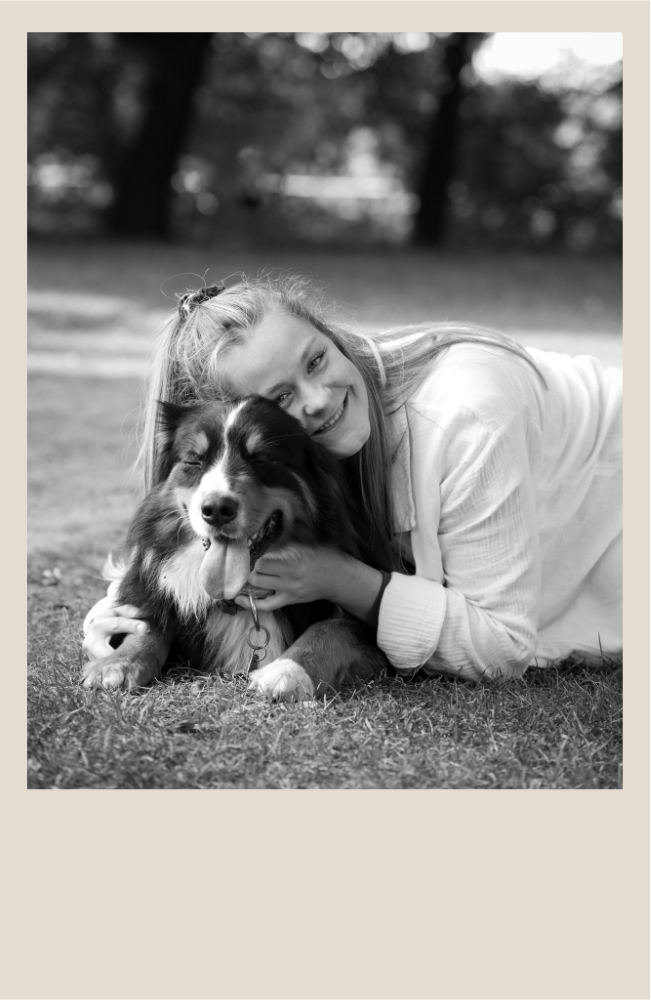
394	894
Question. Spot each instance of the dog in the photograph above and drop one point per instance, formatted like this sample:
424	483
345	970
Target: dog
236	481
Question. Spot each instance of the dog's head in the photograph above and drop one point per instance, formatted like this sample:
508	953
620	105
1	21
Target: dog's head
247	477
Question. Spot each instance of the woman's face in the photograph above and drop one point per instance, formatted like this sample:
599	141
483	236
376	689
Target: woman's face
286	359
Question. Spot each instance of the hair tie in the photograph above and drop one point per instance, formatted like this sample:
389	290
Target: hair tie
189	301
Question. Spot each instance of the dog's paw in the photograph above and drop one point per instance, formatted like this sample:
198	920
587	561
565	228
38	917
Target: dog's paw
282	680
100	673
114	671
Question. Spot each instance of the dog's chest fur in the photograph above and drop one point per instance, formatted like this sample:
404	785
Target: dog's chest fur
226	648
225	644
178	577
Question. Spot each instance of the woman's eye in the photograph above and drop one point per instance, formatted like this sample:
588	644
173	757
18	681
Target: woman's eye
281	399
315	361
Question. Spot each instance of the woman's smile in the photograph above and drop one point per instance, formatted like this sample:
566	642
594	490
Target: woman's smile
329	424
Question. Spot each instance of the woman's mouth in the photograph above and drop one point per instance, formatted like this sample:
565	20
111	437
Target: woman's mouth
334	419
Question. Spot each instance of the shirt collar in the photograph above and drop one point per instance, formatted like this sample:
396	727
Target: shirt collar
404	511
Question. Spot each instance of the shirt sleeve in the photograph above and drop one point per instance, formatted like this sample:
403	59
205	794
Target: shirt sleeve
474	500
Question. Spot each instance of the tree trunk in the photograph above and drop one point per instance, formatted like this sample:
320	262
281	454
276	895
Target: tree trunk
143	191
431	218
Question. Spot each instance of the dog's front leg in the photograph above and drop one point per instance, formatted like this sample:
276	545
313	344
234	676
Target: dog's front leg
327	656
135	663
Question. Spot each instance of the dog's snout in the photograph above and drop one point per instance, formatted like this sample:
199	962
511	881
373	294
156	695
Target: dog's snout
219	510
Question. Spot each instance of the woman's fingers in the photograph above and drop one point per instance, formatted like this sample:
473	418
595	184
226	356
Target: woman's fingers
267	570
106	609
117	625
97	641
273	603
262	581
128	611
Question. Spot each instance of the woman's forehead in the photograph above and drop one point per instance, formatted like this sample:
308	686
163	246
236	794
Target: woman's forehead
280	329
274	348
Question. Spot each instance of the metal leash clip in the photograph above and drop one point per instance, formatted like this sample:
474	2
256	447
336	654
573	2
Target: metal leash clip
254	662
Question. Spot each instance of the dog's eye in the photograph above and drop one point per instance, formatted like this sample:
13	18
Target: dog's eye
259	460
192	461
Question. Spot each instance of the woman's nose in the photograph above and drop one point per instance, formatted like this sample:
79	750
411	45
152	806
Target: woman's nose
316	399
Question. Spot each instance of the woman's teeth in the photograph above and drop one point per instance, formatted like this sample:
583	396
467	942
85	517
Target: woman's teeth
333	420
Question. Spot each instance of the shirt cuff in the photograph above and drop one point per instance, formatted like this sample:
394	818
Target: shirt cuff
411	618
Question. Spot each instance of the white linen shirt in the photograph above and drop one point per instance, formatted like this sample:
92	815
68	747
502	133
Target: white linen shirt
508	502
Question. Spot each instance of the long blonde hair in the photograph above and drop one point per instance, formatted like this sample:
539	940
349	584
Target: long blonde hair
393	363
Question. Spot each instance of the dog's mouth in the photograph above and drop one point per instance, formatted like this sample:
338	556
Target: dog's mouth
268	533
228	561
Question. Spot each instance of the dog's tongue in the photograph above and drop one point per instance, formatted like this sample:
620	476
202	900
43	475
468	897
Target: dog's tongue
225	569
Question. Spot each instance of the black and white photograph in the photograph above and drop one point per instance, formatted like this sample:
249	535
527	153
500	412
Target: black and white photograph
325	410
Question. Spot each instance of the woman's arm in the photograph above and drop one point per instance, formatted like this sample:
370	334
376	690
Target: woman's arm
307	574
471	610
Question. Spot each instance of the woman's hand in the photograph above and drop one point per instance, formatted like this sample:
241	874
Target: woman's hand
298	575
105	620
303	573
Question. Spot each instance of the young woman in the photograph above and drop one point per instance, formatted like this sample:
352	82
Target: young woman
492	475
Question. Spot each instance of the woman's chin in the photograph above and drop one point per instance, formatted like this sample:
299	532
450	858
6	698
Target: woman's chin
349	442
353	429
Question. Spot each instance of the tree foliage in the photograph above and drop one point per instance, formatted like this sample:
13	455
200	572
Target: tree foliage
155	133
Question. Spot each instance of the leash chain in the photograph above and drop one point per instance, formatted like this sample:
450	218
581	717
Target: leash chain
259	649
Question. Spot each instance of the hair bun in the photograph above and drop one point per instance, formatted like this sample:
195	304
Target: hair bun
189	301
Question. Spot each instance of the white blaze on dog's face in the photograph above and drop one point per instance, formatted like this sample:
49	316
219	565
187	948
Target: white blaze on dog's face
287	360
235	472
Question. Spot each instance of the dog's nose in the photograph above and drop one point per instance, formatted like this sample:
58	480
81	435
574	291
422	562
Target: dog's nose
219	510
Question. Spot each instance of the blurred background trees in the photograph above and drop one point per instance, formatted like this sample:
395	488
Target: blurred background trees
363	138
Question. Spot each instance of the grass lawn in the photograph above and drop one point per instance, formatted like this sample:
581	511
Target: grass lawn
95	285
552	729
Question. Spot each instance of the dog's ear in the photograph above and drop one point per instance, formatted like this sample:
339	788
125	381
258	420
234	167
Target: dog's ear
170	415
